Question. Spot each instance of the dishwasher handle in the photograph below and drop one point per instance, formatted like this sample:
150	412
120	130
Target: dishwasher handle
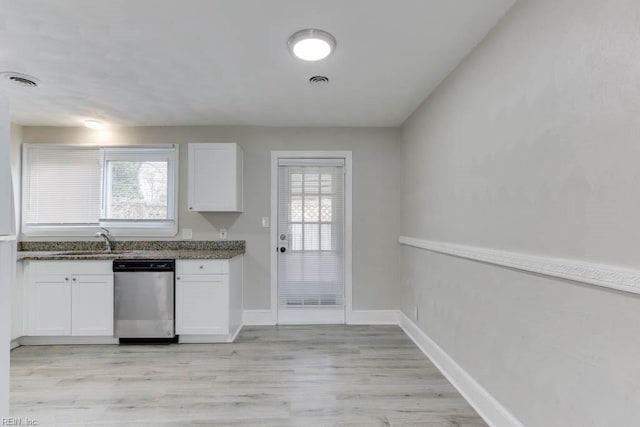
134	265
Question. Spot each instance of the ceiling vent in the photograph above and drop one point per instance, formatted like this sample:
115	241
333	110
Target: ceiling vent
21	79
319	80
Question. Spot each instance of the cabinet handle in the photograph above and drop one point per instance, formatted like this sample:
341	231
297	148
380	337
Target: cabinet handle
74	279
178	278
66	279
202	267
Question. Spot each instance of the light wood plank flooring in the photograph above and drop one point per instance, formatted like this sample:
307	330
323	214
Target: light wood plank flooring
272	376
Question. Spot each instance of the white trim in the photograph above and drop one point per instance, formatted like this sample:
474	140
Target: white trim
311	316
603	275
348	223
274	237
209	339
258	318
373	317
234	335
66	340
358	317
203	339
478	397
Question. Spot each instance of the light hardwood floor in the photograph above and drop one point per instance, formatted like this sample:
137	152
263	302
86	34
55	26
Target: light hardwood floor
287	375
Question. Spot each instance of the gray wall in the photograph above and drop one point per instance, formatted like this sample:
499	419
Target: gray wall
376	178
532	146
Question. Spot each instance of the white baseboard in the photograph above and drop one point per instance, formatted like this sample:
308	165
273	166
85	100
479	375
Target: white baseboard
372	317
356	317
311	316
482	401
258	318
234	334
67	340
204	339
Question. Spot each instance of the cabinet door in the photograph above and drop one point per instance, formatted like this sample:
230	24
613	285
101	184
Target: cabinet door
215	177
50	307
92	305
202	304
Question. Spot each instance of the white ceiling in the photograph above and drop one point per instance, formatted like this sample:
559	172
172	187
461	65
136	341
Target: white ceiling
225	62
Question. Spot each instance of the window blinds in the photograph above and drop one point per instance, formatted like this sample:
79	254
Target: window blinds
63	185
311	218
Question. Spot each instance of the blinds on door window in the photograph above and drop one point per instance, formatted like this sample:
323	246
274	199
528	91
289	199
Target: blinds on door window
311	227
63	185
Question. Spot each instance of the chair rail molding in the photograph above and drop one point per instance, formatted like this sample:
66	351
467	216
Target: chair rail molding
607	276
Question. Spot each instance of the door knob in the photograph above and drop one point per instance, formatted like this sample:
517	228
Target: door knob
283	249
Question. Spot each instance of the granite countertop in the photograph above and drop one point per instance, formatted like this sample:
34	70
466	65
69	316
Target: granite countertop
84	250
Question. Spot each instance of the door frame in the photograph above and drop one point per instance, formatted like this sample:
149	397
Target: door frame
348	226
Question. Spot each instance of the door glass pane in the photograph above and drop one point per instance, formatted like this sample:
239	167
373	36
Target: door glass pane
296	237
311	183
296	183
311	237
296	209
325	209
326	237
311	208
326	183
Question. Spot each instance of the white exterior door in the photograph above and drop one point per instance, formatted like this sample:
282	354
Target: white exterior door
311	241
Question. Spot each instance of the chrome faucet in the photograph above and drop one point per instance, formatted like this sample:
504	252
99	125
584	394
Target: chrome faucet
106	235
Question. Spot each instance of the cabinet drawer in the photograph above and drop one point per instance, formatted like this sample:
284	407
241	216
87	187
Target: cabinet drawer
69	267
204	266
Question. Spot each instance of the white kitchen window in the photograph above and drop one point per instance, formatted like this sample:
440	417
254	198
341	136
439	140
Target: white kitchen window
72	190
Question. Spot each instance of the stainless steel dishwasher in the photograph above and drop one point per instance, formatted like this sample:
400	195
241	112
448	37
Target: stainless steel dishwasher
144	300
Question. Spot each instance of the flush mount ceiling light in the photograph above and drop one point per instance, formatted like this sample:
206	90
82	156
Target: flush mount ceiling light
93	124
311	44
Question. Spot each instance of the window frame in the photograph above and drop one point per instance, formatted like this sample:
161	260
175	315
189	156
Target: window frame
123	228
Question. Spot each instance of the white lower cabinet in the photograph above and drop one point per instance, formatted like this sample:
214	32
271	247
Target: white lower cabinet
75	299
208	299
50	305
68	298
202	304
92	305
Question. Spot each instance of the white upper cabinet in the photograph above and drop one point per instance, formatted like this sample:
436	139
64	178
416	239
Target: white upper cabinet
215	177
